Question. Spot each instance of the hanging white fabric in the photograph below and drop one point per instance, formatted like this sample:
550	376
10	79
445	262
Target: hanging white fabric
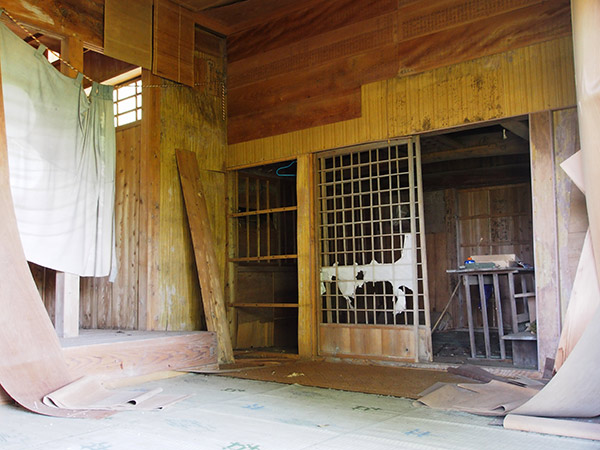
61	148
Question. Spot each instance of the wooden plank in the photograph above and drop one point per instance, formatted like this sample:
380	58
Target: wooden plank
100	67
134	357
204	251
173	52
341	75
310	52
297	25
128	31
485	37
545	234
307	258
81	20
319	111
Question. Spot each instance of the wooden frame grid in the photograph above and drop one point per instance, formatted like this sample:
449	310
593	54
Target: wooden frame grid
371	236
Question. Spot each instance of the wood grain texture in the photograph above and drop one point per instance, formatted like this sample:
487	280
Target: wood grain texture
135	357
204	250
307	258
173	49
545	234
297	25
83	20
128	31
286	118
116	305
533	78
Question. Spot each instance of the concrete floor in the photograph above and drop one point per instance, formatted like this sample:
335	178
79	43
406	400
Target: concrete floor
235	414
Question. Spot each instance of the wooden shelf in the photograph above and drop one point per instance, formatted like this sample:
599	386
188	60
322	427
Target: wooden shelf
263	258
264	211
264	305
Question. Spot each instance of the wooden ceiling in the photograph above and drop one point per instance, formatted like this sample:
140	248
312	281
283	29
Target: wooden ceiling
231	16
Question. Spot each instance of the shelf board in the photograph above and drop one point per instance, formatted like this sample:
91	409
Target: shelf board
264	305
265	211
263	258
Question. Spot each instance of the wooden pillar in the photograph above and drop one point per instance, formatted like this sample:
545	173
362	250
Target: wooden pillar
307	298
149	272
545	235
66	313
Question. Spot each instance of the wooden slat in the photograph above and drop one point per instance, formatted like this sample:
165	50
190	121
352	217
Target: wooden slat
128	31
204	251
264	305
173	56
286	118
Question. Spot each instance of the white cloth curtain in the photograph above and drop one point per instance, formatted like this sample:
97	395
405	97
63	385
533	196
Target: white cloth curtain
61	149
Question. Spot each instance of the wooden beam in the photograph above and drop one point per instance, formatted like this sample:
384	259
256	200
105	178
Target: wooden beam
71	50
516	127
545	235
480	151
204	252
447	140
67	18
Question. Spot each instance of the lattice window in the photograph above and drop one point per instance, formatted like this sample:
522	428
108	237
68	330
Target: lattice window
128	102
371	236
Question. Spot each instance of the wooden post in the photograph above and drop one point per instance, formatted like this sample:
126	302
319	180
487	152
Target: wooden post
66	313
545	235
305	187
204	252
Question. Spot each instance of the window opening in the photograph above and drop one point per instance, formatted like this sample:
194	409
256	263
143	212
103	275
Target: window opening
128	102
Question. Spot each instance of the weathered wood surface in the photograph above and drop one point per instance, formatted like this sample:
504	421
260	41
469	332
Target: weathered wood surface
545	234
82	20
128	31
512	83
204	250
173	49
323	49
132	356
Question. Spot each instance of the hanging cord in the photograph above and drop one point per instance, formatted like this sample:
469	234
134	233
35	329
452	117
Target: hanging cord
61	59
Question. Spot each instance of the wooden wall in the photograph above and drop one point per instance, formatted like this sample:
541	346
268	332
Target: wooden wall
516	82
306	68
188	118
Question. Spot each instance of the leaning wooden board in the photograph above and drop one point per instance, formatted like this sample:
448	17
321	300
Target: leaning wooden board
204	251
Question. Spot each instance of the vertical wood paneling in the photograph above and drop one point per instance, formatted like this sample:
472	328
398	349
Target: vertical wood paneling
115	305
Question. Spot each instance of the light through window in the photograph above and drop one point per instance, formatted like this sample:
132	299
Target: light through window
128	103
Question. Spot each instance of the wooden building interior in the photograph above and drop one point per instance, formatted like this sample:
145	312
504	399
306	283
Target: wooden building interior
328	136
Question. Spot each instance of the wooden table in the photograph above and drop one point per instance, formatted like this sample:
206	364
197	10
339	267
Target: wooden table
481	277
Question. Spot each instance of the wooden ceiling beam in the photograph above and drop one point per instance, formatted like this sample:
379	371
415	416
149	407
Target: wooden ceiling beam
481	151
516	127
68	18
